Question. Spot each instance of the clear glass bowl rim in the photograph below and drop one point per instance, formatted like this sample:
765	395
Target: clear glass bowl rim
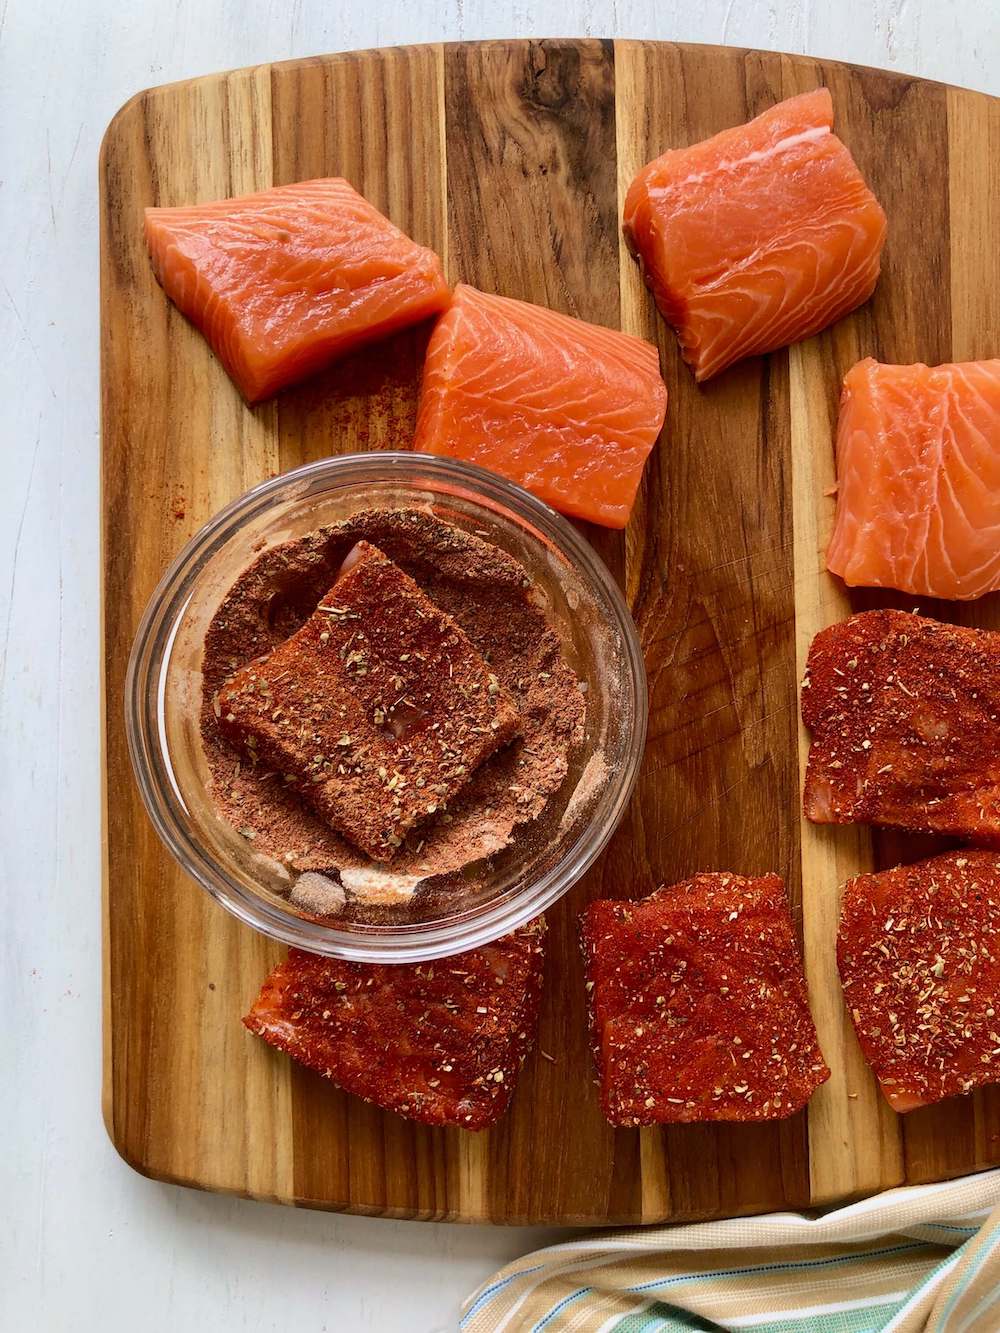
145	732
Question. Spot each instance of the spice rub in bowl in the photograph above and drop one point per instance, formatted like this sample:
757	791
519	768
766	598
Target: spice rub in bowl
377	711
417	577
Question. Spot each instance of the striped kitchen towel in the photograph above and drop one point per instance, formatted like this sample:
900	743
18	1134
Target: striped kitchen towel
919	1258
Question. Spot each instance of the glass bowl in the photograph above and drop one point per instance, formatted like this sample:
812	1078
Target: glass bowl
163	701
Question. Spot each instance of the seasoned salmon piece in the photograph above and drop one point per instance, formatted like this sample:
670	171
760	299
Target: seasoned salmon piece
377	711
919	958
758	237
698	1004
283	282
904	713
918	479
440	1042
567	409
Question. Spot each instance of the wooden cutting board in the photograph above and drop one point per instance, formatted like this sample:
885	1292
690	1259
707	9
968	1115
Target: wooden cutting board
511	160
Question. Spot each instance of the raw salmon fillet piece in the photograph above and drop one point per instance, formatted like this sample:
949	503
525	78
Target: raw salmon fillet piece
918	479
919	961
758	237
440	1042
377	711
698	1004
567	409
283	282
904	713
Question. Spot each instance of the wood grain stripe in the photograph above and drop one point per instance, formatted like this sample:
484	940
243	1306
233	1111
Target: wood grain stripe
860	1145
533	215
637	313
376	122
847	1112
974	227
179	408
909	319
714	604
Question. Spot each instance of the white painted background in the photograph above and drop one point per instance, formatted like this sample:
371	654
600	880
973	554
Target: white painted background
84	1242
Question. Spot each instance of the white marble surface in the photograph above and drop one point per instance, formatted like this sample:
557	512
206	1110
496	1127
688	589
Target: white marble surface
86	1243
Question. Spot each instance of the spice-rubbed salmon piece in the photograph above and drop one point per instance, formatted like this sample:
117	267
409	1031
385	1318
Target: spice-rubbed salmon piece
442	1042
698	1005
919	958
905	716
567	409
377	711
918	479
758	237
283	282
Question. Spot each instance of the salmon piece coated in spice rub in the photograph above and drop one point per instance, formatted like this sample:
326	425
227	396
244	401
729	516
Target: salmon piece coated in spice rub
919	958
377	711
758	237
698	1004
441	1042
283	282
904	713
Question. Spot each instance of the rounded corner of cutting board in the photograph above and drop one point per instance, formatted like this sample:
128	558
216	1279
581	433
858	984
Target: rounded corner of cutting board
453	170
118	123
119	1139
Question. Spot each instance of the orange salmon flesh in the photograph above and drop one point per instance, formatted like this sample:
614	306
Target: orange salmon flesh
918	479
284	282
758	237
567	409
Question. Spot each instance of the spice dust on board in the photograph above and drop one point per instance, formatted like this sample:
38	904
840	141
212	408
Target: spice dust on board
491	597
